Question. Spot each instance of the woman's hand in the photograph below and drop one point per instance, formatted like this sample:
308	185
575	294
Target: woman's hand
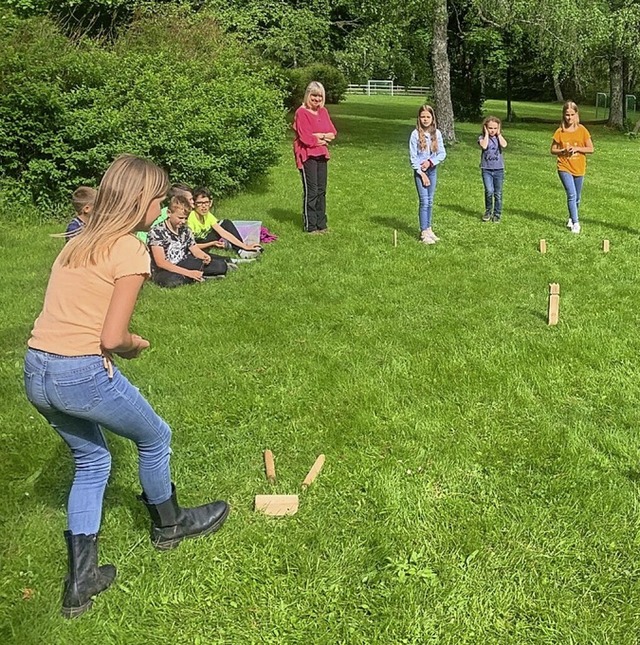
219	244
140	344
425	180
425	165
252	247
206	259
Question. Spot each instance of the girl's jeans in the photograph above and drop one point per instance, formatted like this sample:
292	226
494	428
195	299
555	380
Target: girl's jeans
76	396
573	188
425	196
493	180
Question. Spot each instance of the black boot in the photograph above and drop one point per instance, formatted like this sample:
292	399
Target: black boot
86	579
171	524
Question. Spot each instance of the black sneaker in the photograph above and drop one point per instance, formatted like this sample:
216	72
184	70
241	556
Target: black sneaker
486	217
496	219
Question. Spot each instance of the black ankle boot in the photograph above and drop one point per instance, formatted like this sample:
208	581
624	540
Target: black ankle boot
86	579
171	524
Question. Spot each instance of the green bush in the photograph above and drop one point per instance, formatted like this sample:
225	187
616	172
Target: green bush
172	89
333	80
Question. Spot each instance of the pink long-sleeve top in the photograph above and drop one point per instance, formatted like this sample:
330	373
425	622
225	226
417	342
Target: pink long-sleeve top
305	123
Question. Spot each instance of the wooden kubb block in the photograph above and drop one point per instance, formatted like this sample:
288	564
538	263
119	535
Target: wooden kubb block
554	303
277	505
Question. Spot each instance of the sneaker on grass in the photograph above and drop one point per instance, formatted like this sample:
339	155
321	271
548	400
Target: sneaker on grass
486	217
575	228
235	261
248	255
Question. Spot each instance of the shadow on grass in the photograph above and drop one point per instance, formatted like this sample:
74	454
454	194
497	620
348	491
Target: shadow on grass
460	210
394	223
531	215
285	215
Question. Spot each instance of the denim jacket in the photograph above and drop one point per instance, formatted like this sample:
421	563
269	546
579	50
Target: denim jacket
417	156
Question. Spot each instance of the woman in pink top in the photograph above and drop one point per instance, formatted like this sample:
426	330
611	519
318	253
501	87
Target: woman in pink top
314	130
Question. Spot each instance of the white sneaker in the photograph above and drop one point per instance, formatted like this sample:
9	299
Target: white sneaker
575	228
569	223
425	238
248	255
434	237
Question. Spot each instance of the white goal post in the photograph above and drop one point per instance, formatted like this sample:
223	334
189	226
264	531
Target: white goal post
379	87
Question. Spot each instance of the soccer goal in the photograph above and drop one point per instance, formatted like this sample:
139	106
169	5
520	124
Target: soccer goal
379	87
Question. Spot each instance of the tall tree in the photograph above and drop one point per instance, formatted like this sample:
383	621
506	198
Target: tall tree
442	71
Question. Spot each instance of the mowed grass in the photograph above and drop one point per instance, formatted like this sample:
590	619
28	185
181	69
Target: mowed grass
481	482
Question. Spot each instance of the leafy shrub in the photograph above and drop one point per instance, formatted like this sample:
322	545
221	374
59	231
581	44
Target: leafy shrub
333	80
172	89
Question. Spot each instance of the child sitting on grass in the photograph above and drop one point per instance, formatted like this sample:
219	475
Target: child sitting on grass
210	233
176	258
82	199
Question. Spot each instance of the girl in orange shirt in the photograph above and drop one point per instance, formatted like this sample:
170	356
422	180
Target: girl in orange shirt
571	143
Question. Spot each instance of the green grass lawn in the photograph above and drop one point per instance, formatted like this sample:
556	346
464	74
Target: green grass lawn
482	473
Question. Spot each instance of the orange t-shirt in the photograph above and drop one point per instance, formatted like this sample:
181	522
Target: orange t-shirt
576	164
77	299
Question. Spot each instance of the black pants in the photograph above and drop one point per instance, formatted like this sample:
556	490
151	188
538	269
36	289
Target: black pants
212	236
164	278
314	186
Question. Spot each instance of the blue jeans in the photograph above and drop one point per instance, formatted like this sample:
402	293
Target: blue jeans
76	396
493	180
425	195
573	188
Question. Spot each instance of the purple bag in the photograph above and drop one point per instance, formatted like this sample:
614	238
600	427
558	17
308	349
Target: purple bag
266	235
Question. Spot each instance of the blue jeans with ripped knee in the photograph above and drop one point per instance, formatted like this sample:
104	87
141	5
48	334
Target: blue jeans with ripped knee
78	398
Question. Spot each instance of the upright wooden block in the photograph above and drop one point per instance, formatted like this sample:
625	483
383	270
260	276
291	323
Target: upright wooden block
270	466
605	246
554	303
313	473
277	505
395	238
543	246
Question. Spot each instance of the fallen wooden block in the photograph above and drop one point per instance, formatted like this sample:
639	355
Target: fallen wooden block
277	505
270	466
543	246
605	246
395	238
314	472
554	304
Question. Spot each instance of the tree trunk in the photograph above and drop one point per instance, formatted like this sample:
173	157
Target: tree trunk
509	87
616	118
441	72
557	88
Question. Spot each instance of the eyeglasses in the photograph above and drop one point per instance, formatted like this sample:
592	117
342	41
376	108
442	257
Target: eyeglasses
204	202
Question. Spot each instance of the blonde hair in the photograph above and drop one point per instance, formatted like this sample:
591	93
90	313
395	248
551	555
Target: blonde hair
127	189
431	130
83	196
314	88
569	105
179	203
491	119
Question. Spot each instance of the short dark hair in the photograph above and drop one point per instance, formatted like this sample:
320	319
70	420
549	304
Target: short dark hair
201	191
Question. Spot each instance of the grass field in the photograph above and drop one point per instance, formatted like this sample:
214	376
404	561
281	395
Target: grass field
483	469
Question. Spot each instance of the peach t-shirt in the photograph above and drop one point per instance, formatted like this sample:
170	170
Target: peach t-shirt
77	299
576	164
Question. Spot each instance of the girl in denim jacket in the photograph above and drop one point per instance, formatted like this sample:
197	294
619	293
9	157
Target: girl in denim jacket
426	151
